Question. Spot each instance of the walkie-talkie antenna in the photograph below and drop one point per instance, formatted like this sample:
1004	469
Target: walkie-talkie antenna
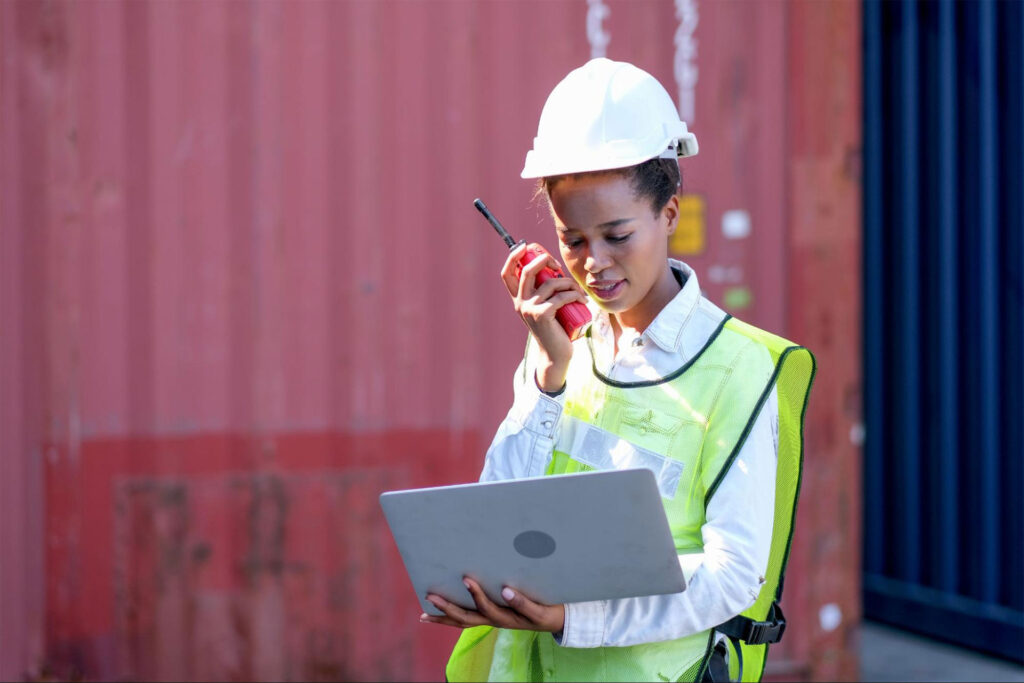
482	208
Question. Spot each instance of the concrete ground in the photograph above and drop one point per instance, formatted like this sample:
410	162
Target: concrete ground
888	654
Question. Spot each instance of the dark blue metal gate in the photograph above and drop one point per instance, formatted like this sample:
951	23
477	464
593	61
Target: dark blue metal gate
943	308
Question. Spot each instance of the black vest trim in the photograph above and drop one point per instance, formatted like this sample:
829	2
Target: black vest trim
800	477
707	656
654	382
750	423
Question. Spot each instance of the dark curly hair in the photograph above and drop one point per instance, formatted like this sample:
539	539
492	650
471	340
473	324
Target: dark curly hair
655	179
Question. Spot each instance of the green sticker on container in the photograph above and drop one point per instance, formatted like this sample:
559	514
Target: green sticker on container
738	297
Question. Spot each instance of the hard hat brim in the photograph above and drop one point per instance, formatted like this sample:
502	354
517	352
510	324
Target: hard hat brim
544	163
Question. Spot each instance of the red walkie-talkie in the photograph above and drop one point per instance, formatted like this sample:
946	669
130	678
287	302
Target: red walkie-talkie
573	316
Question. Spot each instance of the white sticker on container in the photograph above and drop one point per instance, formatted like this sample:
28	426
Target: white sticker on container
830	616
857	434
735	224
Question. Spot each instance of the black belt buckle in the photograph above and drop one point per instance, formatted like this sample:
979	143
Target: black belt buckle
764	632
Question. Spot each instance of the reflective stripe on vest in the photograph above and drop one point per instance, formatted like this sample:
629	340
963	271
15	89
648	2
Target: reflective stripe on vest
687	428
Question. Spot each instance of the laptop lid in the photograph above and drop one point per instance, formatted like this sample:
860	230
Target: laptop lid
557	539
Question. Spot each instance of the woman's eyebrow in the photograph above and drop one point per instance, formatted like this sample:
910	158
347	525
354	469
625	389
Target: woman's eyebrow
615	223
606	225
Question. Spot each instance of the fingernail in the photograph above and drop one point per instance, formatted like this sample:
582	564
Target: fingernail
508	593
465	582
423	617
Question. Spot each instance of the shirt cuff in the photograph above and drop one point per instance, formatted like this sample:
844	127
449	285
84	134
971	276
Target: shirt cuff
538	412
551	394
584	624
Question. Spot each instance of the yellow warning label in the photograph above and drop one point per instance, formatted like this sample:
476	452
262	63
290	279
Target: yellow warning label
689	237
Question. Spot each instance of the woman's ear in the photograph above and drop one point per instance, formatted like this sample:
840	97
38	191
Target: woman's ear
670	213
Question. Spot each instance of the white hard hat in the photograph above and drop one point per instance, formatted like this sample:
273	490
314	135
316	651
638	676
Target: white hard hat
606	115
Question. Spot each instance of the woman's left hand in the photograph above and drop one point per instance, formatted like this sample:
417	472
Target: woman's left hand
522	613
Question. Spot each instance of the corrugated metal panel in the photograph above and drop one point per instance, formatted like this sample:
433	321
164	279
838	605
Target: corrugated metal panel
821	269
22	550
944	86
245	291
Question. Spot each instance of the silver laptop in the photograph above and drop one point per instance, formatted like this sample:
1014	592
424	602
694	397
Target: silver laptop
558	539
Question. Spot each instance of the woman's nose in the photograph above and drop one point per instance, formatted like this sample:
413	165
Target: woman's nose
597	259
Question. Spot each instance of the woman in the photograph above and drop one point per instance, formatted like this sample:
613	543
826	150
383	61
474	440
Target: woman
715	403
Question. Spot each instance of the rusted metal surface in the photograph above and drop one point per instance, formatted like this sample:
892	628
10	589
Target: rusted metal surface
245	292
22	537
823	128
244	576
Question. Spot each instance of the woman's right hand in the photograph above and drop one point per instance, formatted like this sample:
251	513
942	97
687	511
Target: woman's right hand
537	307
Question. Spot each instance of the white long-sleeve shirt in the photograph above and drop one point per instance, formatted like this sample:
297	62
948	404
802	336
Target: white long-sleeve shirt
726	577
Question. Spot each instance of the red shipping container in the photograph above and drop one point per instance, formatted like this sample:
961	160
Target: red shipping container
245	291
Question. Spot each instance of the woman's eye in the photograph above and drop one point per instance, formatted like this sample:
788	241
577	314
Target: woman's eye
619	239
571	243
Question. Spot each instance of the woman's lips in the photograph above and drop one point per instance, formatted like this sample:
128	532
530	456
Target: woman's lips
606	291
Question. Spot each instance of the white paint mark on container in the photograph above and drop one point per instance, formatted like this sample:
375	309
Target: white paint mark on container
735	224
685	62
830	616
720	274
598	38
857	434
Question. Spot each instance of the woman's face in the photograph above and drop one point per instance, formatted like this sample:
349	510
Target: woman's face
614	244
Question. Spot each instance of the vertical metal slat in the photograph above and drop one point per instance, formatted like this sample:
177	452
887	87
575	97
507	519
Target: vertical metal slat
908	502
987	305
1011	26
945	310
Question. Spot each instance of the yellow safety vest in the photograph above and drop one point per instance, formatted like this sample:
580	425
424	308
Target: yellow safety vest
688	427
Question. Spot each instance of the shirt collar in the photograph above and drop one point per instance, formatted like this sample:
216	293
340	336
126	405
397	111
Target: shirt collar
666	330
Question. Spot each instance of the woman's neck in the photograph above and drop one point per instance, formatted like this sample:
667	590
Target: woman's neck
643	314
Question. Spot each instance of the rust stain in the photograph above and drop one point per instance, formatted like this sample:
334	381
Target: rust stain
242	573
266	515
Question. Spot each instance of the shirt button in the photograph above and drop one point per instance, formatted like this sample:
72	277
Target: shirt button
546	424
639	341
